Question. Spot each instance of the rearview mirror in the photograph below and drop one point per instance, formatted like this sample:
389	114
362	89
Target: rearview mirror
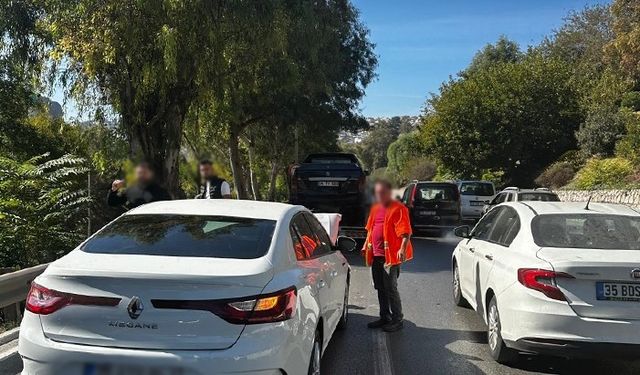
346	244
462	231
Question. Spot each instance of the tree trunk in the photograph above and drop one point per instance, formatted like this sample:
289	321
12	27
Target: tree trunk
252	176
236	168
273	180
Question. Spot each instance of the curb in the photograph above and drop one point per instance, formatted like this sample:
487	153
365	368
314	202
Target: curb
9	357
8	336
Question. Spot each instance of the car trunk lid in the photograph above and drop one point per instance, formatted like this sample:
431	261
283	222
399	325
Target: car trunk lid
589	268
148	278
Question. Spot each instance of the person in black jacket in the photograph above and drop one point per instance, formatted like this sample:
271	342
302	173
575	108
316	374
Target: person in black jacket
211	186
144	191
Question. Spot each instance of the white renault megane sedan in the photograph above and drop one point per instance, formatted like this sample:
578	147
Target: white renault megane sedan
554	278
191	287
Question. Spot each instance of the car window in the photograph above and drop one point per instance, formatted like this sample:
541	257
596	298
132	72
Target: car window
322	238
304	240
405	195
477	188
499	198
184	235
436	193
506	227
587	231
510	197
542	197
484	226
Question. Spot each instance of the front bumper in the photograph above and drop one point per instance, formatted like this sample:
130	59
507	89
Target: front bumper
272	353
577	349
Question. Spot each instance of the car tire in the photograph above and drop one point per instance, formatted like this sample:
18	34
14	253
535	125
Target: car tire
316	355
344	319
499	350
458	299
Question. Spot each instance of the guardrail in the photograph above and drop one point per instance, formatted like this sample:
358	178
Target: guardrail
14	287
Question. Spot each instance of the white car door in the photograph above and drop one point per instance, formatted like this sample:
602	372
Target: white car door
493	258
468	249
335	267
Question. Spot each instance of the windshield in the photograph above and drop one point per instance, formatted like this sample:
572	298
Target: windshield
436	193
331	159
477	188
184	235
587	231
541	197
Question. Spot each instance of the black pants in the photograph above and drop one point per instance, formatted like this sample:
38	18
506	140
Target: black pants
385	280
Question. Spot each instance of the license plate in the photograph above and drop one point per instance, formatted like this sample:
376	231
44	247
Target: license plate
329	183
608	291
92	369
477	203
427	213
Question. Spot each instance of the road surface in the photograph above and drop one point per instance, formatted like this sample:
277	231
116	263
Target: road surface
438	337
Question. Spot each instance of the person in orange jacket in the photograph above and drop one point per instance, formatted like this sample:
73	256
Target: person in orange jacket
387	246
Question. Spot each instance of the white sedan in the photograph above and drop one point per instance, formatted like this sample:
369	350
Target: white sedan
553	278
191	287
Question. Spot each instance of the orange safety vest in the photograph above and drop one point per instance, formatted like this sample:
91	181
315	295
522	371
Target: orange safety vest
396	225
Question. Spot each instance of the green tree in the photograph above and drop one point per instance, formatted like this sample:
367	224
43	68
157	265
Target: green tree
624	50
515	117
503	51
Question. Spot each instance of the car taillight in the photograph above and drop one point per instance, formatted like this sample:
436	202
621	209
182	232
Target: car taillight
543	281
44	301
268	308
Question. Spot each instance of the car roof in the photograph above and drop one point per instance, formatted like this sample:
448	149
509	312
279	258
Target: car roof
434	183
218	207
544	208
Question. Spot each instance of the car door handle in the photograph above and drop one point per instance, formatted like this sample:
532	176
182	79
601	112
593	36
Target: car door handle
489	256
322	284
471	249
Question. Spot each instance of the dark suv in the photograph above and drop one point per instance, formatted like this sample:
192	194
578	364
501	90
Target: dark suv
432	205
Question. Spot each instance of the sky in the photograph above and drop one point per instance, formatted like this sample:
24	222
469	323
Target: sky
420	43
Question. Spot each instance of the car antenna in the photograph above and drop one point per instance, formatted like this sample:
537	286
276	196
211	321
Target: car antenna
586	207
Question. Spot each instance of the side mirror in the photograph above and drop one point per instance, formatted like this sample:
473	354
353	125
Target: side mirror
346	244
462	231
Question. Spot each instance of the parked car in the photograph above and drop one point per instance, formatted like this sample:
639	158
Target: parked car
553	278
331	182
514	194
188	287
432	205
474	195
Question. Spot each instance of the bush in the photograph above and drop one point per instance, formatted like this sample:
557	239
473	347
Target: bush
629	146
631	100
604	174
601	130
556	175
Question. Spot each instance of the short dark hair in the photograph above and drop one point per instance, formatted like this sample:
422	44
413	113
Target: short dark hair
385	183
205	162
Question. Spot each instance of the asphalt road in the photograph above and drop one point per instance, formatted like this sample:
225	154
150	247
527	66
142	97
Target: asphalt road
438	338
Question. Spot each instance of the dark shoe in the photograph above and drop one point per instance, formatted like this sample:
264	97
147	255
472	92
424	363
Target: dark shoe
377	323
393	326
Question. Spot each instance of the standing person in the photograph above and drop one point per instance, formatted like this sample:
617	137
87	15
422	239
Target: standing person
386	247
145	190
211	186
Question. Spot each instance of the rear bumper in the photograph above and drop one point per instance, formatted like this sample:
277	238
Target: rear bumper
435	222
255	353
534	323
577	349
328	200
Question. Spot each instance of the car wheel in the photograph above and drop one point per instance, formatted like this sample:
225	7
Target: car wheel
458	299
342	324
316	355
499	351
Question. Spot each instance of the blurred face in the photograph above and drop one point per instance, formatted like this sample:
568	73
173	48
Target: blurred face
382	193
206	171
143	174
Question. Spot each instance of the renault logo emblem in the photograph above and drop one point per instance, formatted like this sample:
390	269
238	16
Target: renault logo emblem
135	307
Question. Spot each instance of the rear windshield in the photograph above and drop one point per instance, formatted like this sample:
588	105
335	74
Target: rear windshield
436	193
541	197
477	188
184	235
332	159
587	231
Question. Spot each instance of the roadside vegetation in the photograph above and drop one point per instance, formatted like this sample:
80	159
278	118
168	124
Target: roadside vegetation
564	113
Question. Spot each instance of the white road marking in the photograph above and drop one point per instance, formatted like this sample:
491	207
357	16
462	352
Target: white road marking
381	357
